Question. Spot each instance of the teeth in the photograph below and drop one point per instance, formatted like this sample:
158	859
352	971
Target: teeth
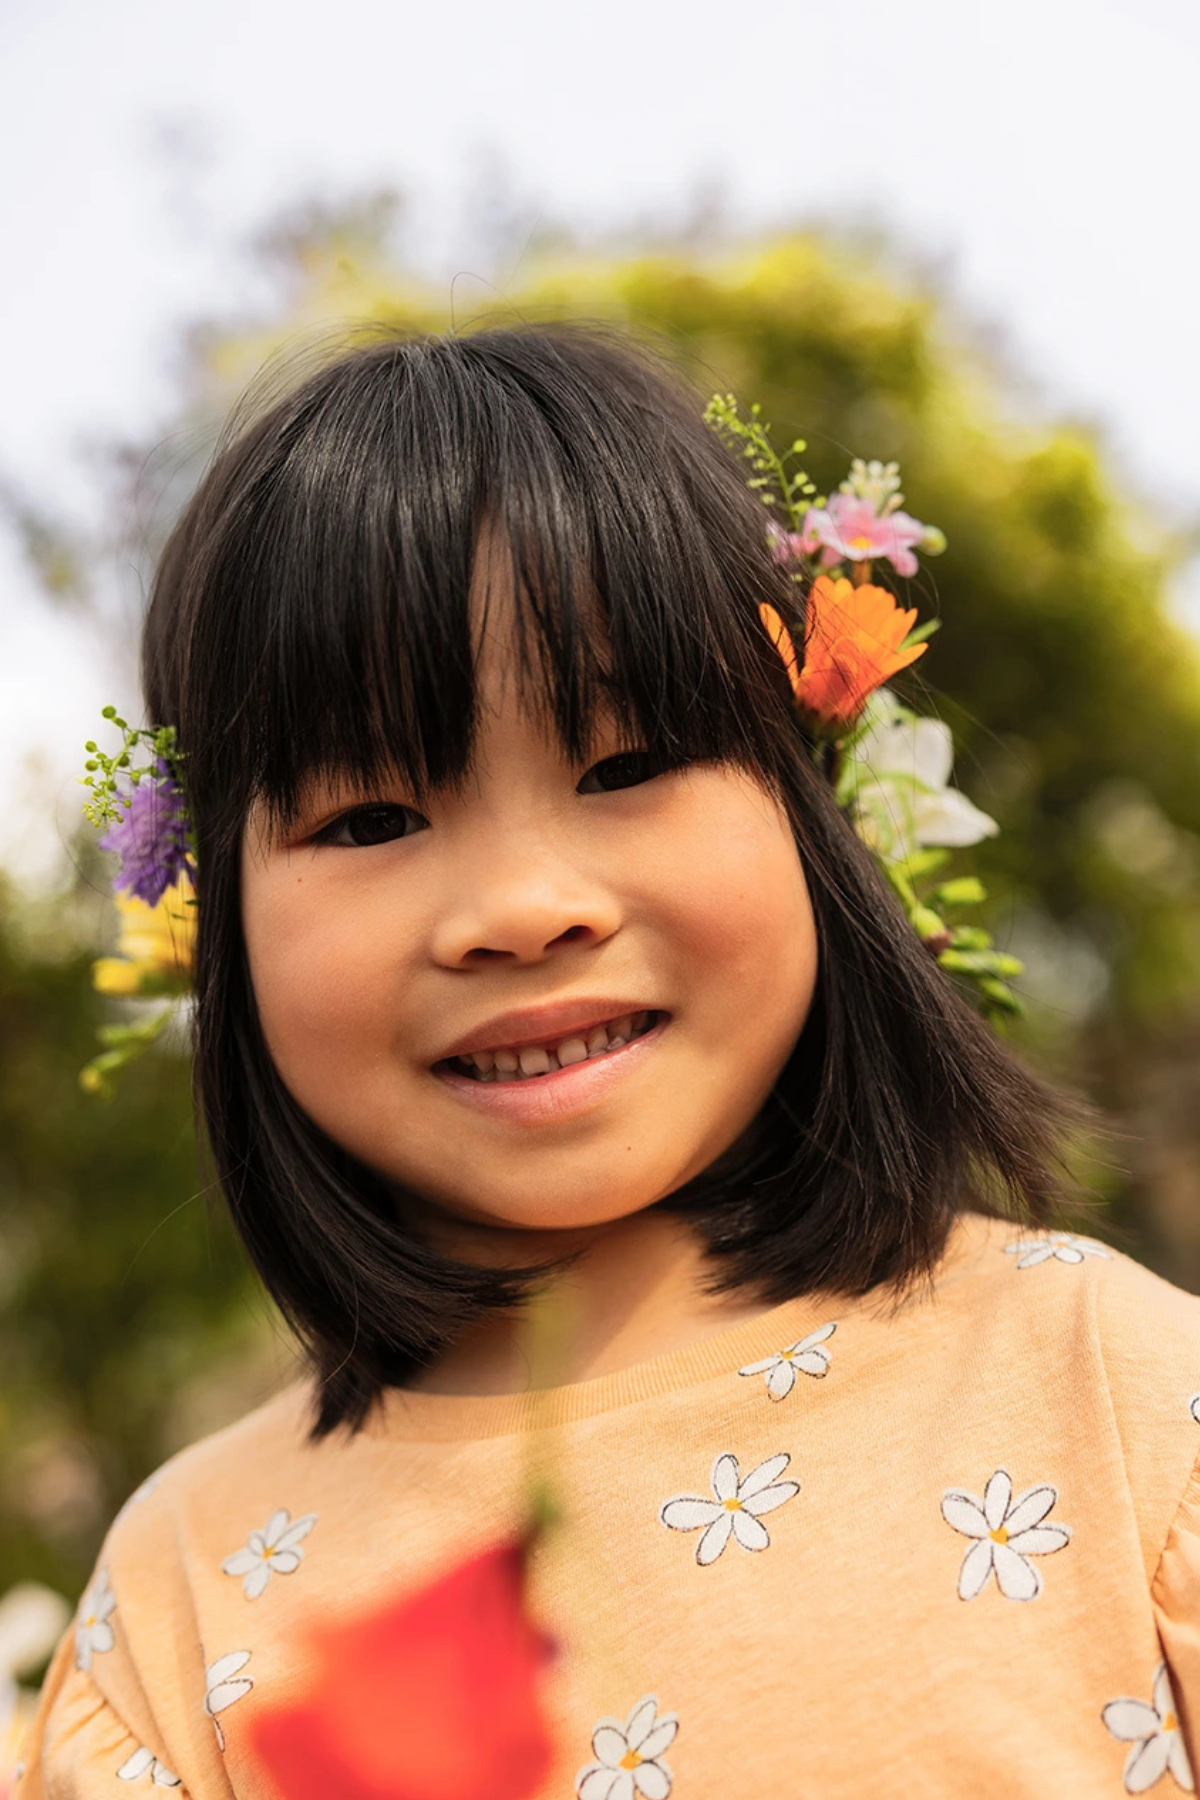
540	1059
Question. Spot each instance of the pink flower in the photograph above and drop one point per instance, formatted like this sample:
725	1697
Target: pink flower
849	529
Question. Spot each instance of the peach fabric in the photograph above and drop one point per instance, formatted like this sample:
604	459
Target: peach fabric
873	1629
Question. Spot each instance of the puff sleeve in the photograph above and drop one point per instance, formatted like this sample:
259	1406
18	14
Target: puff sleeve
1176	1597
79	1747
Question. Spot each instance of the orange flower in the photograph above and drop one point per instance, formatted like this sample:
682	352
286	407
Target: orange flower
852	646
433	1698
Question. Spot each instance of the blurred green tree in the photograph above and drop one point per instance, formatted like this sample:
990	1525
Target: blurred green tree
123	1295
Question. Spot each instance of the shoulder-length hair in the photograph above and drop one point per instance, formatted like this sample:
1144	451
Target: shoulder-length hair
310	614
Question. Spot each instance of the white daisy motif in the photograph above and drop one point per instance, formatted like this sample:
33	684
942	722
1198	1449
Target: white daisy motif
144	1762
1153	1730
223	1689
808	1354
628	1757
93	1633
1007	1533
736	1506
1063	1246
273	1550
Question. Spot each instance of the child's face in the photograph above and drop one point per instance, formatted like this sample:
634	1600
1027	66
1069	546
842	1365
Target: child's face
528	913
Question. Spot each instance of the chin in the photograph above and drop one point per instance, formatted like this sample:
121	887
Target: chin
555	1208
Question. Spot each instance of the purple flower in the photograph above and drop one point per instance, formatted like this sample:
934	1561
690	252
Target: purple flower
151	837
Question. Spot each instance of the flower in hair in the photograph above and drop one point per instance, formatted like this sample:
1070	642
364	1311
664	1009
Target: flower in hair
145	809
850	530
863	521
154	949
855	638
889	768
902	797
151	838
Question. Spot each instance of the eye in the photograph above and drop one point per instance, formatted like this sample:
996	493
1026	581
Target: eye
380	823
628	769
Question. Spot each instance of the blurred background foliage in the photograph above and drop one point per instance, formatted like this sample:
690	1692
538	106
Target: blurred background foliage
130	1324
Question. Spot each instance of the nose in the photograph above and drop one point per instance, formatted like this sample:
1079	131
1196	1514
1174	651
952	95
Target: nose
523	912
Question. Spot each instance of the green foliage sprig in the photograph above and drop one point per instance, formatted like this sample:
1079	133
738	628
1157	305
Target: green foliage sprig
778	479
104	774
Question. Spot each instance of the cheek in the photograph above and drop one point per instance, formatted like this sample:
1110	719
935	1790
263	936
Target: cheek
739	915
326	971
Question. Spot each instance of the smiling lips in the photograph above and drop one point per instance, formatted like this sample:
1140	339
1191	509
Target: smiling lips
533	1060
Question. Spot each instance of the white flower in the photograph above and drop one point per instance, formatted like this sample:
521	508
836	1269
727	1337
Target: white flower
807	1354
1154	1733
1007	1533
276	1548
223	1690
144	1762
93	1633
628	1756
32	1619
736	1507
898	776
1063	1246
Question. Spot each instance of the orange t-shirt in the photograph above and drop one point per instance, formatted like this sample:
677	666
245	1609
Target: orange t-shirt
949	1550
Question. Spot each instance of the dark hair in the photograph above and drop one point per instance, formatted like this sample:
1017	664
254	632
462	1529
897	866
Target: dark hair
310	614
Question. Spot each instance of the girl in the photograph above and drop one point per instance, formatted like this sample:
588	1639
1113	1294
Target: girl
535	954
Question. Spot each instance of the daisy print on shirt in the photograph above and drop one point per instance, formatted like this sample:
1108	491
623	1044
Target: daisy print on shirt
1153	1730
93	1633
224	1683
143	1762
808	1354
1063	1246
629	1756
1006	1534
735	1509
275	1550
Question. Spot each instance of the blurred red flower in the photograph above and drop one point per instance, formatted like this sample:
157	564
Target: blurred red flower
435	1698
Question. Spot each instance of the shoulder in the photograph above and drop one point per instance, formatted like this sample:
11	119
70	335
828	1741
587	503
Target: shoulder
133	1679
202	1492
1115	1346
1073	1289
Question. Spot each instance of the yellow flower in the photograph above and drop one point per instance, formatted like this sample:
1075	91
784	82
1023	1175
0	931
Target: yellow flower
116	975
155	943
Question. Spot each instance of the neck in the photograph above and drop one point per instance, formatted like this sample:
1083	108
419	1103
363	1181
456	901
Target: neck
636	1290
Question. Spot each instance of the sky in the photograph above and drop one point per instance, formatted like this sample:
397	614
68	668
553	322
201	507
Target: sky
1041	156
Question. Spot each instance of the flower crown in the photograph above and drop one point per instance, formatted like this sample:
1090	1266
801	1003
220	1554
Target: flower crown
888	766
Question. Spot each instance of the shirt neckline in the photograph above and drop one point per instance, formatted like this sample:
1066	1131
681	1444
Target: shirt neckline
412	1413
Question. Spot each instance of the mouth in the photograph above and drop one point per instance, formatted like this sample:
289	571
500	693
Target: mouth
533	1062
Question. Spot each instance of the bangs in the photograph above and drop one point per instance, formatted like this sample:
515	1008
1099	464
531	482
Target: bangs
343	570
